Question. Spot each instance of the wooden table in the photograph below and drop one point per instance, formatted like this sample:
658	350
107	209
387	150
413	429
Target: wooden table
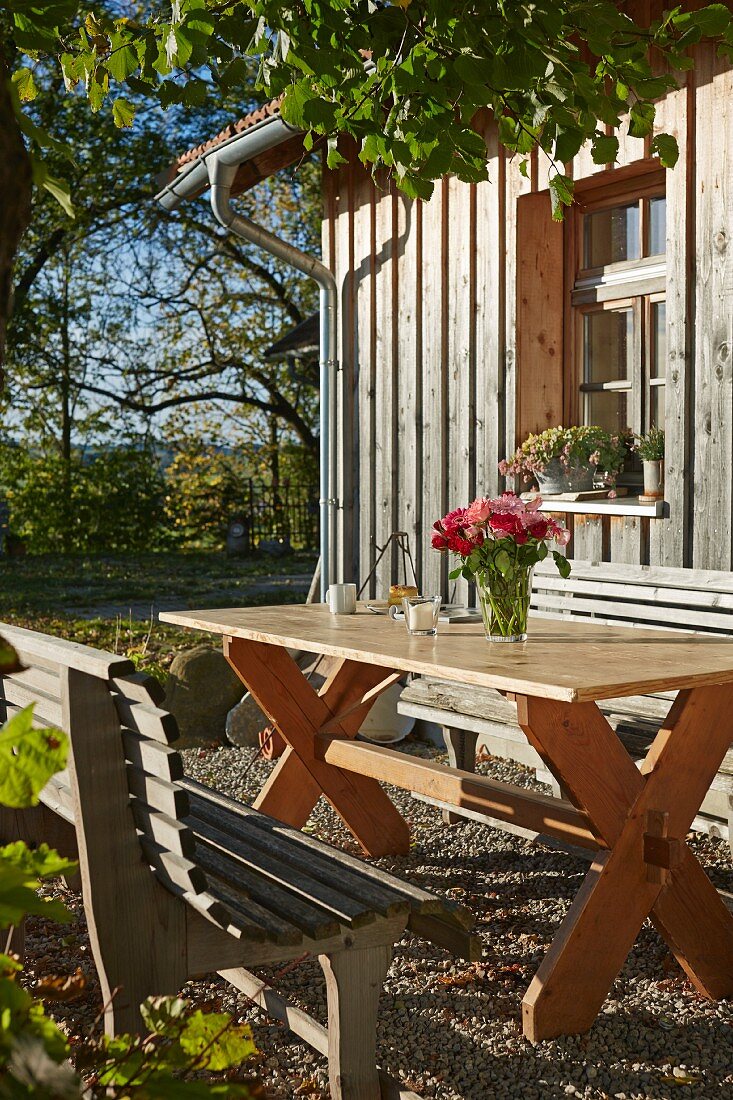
635	820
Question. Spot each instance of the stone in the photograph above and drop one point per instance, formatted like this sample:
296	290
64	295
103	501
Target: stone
200	691
243	724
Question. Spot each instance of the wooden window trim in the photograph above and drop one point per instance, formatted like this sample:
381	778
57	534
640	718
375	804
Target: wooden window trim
546	348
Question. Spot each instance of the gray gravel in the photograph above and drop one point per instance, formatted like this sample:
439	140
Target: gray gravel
449	1030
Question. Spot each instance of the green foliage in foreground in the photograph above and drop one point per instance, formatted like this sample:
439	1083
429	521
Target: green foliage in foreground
180	1044
556	73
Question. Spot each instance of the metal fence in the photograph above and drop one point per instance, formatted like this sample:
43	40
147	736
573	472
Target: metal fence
286	513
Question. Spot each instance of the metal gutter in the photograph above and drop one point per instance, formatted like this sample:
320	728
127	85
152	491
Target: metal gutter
218	167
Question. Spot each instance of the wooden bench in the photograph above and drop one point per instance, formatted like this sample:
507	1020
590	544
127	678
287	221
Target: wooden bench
179	880
699	601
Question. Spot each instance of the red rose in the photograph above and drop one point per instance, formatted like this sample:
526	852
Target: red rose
461	545
539	529
506	523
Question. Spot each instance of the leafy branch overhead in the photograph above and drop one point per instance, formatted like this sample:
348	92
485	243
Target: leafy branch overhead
406	79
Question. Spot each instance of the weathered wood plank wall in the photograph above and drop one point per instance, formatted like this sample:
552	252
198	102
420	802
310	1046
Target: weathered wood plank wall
429	346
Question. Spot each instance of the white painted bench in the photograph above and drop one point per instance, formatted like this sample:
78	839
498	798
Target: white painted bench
700	601
179	880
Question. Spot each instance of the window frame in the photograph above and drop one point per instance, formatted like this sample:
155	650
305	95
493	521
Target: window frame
640	283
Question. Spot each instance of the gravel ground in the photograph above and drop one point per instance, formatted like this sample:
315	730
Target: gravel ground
449	1030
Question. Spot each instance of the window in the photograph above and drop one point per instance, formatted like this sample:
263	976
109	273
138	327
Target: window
617	307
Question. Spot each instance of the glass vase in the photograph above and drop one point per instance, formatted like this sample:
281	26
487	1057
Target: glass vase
504	602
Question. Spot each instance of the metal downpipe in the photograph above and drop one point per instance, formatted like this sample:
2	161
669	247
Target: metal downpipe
221	176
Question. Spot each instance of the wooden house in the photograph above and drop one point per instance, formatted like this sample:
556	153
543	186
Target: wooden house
472	319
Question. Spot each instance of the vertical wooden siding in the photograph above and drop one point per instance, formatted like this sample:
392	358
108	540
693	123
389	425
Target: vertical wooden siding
429	346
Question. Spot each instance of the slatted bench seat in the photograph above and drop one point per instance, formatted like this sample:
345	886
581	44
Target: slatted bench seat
179	880
700	601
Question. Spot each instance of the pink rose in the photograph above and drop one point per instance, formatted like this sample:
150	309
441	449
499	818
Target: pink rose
479	511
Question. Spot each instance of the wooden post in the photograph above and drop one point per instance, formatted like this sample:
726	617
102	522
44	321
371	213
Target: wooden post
461	748
354	980
137	929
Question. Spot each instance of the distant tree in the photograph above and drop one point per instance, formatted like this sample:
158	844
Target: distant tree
125	313
215	304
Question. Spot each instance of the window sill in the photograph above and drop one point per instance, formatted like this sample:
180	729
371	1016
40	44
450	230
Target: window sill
620	506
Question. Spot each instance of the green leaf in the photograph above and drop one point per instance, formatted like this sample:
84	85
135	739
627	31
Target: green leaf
59	189
123	113
236	75
503	562
567	144
123	59
561	194
40	862
218	1042
605	149
9	660
195	93
159	1013
28	759
455	573
641	119
25	84
711	20
665	147
19	897
562	563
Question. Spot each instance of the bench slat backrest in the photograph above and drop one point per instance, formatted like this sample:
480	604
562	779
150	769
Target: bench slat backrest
658	598
121	790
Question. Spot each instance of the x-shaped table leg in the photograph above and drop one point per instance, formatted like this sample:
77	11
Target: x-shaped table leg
299	713
627	881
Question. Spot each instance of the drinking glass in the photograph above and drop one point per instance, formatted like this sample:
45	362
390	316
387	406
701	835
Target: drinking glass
421	614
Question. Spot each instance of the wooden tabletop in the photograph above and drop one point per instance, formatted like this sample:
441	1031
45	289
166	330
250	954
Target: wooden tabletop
569	661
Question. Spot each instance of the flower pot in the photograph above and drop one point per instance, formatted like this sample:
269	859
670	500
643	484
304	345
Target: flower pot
654	478
556	479
504	603
552	479
580	478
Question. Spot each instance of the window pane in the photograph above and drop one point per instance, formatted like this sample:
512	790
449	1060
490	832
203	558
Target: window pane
611	235
608	409
657	226
608	345
659	340
657	409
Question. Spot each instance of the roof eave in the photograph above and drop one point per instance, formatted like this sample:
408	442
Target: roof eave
256	141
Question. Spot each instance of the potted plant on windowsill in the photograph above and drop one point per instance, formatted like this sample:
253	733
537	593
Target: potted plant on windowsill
650	449
563	460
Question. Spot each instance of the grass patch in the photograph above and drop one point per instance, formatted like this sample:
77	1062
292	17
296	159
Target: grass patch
60	584
71	597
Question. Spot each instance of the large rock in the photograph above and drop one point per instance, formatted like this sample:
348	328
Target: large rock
243	724
200	691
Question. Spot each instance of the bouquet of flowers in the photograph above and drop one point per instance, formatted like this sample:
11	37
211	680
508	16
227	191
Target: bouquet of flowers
499	542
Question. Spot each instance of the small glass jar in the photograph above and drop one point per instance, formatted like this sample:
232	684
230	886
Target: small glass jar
421	615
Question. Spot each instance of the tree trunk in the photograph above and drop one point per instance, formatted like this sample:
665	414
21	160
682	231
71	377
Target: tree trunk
66	417
16	186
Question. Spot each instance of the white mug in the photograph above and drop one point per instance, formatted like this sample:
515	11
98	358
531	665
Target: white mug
341	599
